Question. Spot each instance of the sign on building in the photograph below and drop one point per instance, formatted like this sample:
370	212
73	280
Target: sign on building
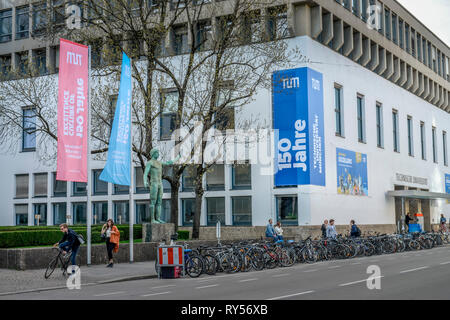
298	125
351	173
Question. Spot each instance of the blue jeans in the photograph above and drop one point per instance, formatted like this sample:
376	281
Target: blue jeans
73	257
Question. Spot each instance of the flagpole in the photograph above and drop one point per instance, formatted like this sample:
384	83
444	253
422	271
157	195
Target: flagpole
131	205
88	187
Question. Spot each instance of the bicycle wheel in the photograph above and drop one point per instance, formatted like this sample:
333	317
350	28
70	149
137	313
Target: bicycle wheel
414	245
270	261
257	259
194	266
285	259
210	264
51	267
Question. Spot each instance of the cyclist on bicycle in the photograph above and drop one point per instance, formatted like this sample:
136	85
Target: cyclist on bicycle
68	242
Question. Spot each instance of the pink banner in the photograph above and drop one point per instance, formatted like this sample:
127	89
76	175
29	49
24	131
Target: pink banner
72	111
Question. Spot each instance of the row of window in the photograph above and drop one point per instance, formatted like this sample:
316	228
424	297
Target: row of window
394	28
241	212
361	127
215	181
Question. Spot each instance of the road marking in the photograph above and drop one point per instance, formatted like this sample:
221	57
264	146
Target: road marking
245	280
210	286
170	285
356	263
359	281
291	295
411	270
444	263
155	294
334	267
108	294
312	270
281	275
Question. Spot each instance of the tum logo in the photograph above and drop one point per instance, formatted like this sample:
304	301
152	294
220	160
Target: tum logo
73	58
291	83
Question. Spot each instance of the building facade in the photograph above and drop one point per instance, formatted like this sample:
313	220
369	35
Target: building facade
385	100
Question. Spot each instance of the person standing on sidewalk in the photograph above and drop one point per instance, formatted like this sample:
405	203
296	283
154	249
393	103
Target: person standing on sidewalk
443	221
355	232
331	230
112	240
323	228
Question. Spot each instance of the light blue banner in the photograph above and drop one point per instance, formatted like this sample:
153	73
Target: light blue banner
117	169
299	129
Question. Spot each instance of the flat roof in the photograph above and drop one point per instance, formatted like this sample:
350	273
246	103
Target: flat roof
417	194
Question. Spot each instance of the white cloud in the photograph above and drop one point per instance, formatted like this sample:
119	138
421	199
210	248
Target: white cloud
434	14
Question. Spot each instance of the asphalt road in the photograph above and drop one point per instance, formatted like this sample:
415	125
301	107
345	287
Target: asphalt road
411	275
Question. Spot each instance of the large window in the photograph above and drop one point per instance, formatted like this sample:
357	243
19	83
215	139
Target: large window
204	35
79	189
395	136
100	186
40	62
169	106
21	186
215	177
215	210
121	212
287	211
59	187
40	214
188	179
5	25
241	176
444	147
29	129
40	185
361	118
423	141
99	212
410	137
379	119
59	213
22	22
241	211
180	37
21	212
338	111
278	26
188	207
79	213
433	138
39	18
387	22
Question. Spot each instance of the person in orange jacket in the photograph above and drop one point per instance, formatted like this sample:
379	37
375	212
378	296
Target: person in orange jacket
112	236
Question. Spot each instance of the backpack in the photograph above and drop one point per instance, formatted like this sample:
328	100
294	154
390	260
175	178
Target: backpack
79	237
358	232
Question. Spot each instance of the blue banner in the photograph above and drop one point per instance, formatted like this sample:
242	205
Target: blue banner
118	165
351	173
447	183
298	125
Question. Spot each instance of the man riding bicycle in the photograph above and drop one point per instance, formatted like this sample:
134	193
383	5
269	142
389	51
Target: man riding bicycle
68	242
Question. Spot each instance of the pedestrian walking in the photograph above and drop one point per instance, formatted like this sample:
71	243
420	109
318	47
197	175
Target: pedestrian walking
443	226
112	236
279	231
355	232
323	228
331	230
270	231
69	242
408	219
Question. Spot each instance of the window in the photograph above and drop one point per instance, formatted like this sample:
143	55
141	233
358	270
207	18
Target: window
22	22
241	176
252	27
380	18
215	210
419	47
40	185
40	214
29	129
188	207
287	211
59	213
21	186
5	66
224	119
58	13
424	50
5	25
79	213
361	119
423	141
387	22
215	178
379	119
395	130
142	212
40	62
119	189
355	7
79	189
407	37
410	137
338	111
188	179
39	18
242	211
165	210
444	147
433	137
59	187
400	33
277	23
99	212
169	106
413	42
100	186
121	212
21	212
364	8
394	28
203	36
180	40
140	181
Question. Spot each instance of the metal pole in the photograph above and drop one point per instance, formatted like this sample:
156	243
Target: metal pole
131	205
88	187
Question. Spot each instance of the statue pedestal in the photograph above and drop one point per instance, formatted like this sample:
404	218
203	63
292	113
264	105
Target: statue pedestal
155	232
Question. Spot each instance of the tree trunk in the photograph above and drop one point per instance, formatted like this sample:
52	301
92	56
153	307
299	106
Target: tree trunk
174	202
198	201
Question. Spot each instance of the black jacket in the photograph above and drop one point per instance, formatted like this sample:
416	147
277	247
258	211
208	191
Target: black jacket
71	237
408	219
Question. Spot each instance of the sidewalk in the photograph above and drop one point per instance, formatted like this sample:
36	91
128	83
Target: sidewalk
13	281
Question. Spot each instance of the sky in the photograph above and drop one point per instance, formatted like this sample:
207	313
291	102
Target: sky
435	14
